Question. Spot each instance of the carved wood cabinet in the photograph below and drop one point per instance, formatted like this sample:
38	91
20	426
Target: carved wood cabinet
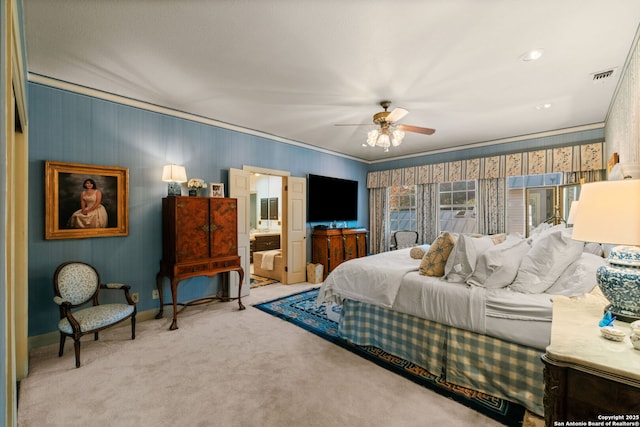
199	238
331	247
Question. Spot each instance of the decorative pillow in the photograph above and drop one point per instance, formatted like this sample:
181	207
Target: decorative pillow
549	256
417	252
436	257
462	259
498	238
579	278
498	266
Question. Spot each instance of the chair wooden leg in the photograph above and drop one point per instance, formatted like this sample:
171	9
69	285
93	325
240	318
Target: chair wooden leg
63	337
133	328
76	346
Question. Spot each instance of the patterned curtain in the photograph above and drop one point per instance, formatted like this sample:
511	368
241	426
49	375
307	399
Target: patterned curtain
587	176
377	223
427	212
492	207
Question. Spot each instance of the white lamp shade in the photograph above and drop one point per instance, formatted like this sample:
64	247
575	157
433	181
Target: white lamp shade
609	212
174	173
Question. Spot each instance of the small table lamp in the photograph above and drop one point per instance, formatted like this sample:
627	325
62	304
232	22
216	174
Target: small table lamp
609	212
174	175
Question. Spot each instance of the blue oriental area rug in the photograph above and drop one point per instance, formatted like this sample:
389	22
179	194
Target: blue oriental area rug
300	309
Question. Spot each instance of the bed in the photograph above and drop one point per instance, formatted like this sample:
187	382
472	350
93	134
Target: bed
480	321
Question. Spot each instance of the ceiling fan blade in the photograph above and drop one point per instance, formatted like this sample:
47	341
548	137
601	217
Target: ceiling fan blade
396	114
416	129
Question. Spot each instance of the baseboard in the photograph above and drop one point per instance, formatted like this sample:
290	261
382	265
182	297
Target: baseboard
54	337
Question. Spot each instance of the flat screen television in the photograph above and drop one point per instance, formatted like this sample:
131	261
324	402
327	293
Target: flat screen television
331	199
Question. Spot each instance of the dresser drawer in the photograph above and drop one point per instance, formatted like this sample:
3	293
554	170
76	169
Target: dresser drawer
191	268
225	263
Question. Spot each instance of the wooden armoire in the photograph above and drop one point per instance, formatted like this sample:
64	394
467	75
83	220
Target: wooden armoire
333	246
199	238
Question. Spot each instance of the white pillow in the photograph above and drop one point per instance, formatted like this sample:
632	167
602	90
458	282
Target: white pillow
498	266
549	256
463	257
579	278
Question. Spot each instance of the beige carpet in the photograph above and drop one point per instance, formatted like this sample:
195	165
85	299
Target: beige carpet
225	367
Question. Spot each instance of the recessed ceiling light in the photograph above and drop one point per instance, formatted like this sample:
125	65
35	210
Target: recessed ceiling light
543	106
532	55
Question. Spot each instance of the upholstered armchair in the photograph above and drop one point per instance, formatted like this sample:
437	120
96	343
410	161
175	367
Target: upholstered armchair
77	284
404	239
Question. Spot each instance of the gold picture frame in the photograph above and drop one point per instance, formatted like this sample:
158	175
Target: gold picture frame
72	213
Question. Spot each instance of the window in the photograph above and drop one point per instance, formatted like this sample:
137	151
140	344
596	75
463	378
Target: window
401	209
458	207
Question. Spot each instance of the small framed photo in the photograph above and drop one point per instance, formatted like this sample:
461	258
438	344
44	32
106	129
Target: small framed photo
216	189
85	201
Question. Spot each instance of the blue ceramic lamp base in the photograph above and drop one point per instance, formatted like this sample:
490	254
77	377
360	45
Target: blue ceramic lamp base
619	280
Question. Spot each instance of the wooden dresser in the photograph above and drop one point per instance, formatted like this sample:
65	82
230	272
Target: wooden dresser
199	238
587	377
332	246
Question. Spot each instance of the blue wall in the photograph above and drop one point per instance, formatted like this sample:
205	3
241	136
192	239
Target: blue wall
70	127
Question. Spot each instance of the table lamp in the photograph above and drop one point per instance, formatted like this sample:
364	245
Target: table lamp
174	175
609	212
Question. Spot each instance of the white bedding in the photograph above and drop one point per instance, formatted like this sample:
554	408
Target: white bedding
391	280
374	279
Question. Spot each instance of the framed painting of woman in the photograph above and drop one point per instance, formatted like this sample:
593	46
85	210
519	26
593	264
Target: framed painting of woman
85	201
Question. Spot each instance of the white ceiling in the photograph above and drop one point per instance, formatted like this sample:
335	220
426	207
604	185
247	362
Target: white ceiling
295	68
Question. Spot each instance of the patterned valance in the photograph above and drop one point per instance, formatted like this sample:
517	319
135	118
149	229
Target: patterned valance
577	158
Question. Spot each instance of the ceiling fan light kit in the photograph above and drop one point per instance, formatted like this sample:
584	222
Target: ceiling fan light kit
389	133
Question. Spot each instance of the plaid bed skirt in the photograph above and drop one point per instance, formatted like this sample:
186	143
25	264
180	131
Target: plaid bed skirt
479	362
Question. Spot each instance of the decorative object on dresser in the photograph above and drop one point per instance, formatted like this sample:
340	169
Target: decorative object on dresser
216	189
332	246
199	238
194	185
586	376
174	175
608	212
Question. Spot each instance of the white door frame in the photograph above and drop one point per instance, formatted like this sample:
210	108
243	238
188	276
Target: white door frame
283	242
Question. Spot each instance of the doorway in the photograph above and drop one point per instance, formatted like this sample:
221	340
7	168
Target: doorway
265	229
293	211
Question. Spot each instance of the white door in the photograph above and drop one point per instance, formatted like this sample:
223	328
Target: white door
239	189
295	195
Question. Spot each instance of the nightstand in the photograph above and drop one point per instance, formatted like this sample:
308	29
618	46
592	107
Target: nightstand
587	377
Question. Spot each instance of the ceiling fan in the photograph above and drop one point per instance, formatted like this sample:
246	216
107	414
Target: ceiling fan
390	133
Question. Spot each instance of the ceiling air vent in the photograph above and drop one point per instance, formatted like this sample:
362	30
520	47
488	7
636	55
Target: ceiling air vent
602	76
